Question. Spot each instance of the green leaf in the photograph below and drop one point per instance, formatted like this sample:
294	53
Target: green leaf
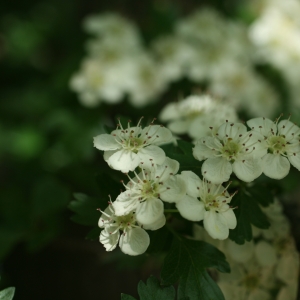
93	234
49	196
85	209
247	212
186	147
261	193
187	262
7	294
184	155
160	240
126	297
154	291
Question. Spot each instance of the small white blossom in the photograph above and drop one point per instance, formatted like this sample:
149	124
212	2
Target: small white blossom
282	143
207	202
133	241
145	191
196	114
232	149
125	148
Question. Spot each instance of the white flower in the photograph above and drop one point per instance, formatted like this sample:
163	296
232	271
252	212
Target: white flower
207	202
196	114
233	149
133	241
125	148
282	143
145	191
113	26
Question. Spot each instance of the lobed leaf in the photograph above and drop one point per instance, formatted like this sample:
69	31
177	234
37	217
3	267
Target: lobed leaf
154	291
247	212
187	262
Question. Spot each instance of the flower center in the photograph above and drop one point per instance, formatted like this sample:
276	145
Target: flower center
126	221
149	189
133	144
230	149
211	202
277	144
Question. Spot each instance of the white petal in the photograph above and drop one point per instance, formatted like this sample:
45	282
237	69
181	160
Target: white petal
192	182
215	225
173	189
240	253
105	217
149	211
265	254
248	169
179	127
124	161
288	267
157	134
216	170
106	142
263	126
125	203
169	112
294	155
109	240
108	154
165	170
231	130
275	166
157	224
230	218
191	208
151	154
258	294
135	241
289	130
206	147
255	140
200	126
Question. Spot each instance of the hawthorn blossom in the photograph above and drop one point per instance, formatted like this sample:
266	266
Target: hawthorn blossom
232	149
195	114
145	192
207	202
133	241
282	143
125	148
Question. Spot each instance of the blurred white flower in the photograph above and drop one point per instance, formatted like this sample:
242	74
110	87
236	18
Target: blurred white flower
196	114
110	25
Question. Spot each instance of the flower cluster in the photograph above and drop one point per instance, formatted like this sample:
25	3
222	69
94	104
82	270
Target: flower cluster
194	51
156	182
109	72
267	148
